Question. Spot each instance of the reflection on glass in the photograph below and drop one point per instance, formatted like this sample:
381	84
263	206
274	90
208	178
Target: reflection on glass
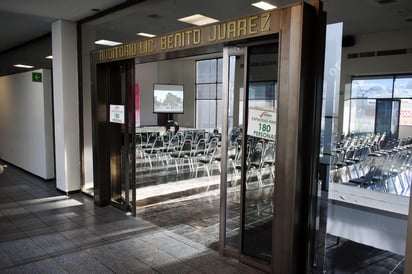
403	87
259	155
362	116
234	152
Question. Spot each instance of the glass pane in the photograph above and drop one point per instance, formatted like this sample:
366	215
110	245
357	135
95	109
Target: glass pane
372	87
219	91
206	71
219	115
234	152
403	87
259	155
219	70
207	114
362	116
346	117
206	91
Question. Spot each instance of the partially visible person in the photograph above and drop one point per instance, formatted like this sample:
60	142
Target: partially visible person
2	167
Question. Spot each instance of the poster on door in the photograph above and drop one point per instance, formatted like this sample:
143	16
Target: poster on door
117	114
262	124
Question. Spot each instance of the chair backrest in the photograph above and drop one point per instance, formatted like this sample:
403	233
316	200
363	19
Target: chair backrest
269	154
139	140
212	144
152	138
232	151
255	158
186	146
158	143
200	147
370	174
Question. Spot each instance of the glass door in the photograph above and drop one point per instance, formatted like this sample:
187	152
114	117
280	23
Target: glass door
122	137
233	97
250	94
387	117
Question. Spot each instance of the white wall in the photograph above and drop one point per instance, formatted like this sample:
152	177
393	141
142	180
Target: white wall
166	72
378	64
26	123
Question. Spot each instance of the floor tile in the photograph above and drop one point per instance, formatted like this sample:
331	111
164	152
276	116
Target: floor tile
22	250
54	243
117	260
81	262
12	270
47	266
5	260
82	237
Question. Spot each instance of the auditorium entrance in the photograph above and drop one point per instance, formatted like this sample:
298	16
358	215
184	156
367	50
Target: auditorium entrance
224	112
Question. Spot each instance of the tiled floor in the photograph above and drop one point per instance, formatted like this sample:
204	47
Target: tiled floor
43	231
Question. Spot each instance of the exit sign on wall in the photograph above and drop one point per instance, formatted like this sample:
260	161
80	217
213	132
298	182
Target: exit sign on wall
36	77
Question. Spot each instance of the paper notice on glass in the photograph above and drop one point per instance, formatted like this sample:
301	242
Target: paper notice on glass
117	114
262	124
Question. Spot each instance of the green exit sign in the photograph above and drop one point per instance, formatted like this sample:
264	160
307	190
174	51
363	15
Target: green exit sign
36	77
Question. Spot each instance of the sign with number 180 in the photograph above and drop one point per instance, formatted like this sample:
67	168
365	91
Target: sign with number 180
262	124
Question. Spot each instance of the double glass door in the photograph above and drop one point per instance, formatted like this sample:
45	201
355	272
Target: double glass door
250	96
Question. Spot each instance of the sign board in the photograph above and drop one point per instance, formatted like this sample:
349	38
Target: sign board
117	114
262	124
221	32
36	77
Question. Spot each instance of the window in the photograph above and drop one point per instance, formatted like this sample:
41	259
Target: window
372	87
209	94
365	91
403	87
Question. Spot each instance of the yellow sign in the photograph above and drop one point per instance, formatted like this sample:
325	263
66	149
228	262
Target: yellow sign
211	34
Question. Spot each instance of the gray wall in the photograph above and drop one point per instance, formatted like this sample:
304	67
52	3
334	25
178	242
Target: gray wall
166	72
26	123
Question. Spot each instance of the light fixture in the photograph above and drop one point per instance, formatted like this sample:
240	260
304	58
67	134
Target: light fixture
264	5
145	34
49	57
107	43
198	20
23	66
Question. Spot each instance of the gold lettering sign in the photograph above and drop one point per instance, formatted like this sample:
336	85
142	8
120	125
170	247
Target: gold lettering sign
211	34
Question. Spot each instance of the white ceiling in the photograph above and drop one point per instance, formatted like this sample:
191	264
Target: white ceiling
24	20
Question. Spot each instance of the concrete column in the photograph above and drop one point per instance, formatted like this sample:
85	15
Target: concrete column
66	105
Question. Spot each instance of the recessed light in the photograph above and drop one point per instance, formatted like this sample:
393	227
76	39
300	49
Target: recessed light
49	57
198	20
23	66
95	10
107	43
264	5
145	34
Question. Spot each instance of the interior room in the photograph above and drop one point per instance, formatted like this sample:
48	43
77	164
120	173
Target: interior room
189	138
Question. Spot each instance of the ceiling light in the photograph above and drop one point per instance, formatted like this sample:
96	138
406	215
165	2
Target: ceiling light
145	34
49	57
23	66
264	5
107	43
198	20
